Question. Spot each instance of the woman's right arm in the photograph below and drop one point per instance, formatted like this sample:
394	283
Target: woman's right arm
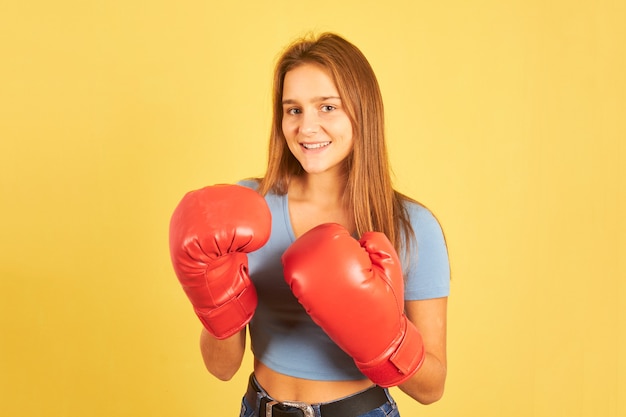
222	358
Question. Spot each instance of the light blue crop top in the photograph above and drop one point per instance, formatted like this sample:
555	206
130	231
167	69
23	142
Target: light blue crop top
285	338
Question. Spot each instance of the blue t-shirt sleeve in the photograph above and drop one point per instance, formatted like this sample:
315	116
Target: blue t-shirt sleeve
249	183
428	273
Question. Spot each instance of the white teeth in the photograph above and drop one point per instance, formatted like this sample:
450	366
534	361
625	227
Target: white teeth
315	145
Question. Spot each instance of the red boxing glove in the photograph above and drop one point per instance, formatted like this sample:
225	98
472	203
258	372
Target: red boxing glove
211	231
354	290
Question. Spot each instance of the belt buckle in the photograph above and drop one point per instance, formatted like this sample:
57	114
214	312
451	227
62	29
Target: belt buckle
306	409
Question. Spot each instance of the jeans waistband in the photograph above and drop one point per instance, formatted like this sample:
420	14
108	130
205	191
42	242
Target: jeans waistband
351	406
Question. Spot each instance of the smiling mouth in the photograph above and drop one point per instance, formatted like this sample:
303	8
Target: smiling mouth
315	145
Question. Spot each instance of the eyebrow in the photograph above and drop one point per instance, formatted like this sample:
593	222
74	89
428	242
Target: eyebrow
315	99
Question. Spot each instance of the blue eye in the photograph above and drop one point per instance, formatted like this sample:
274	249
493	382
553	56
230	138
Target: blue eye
293	110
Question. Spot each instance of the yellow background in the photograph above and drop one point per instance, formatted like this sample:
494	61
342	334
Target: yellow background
506	118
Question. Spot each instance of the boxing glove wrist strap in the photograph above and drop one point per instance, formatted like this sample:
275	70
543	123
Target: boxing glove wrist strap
399	366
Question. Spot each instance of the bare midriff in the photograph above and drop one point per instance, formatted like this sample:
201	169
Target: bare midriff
287	388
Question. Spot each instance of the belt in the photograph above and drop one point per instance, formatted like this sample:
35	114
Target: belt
351	406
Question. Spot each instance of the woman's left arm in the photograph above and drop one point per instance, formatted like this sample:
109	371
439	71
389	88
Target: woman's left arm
429	316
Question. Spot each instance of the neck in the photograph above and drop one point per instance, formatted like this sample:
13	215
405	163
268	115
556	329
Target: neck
322	188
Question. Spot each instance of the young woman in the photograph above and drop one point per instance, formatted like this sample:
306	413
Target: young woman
342	280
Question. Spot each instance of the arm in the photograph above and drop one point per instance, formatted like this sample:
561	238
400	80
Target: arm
222	358
211	232
429	316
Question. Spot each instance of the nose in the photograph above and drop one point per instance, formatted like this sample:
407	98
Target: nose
309	123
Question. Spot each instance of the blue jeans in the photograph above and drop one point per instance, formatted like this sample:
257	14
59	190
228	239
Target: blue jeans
388	409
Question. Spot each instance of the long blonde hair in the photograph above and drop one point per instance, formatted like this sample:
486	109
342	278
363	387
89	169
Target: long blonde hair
374	204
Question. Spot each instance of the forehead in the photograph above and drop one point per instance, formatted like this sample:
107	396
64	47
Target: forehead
308	79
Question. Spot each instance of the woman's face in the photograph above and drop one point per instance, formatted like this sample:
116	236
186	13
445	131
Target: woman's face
315	124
